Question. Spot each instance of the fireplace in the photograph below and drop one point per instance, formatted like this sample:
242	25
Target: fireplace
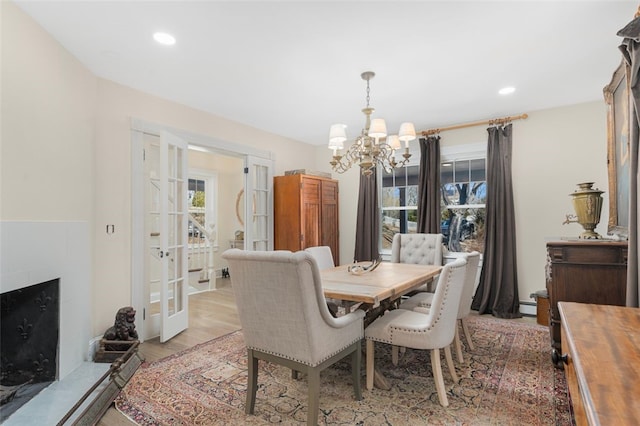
36	252
29	336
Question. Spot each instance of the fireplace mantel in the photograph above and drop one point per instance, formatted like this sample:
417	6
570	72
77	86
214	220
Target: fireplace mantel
35	252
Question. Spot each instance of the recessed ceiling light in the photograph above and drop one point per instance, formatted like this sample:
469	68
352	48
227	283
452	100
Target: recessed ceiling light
164	38
507	90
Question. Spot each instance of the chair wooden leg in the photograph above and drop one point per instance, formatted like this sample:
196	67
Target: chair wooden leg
313	378
437	377
252	382
394	354
452	368
370	355
458	345
467	334
356	361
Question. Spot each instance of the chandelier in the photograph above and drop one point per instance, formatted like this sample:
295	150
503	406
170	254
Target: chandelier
372	147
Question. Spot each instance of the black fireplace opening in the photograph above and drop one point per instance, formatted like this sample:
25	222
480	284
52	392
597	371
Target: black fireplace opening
29	341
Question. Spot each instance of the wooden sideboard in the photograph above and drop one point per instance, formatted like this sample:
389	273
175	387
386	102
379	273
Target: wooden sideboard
585	271
601	353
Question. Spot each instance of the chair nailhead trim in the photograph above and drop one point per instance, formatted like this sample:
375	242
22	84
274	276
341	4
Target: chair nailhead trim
298	360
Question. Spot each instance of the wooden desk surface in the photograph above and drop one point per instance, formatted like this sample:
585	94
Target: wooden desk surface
603	369
387	281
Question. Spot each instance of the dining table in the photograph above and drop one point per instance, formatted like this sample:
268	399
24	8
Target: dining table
377	290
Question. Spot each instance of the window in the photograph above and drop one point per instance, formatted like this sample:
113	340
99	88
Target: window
201	204
399	204
463	196
464	193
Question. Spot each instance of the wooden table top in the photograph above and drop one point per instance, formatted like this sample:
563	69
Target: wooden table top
387	281
604	345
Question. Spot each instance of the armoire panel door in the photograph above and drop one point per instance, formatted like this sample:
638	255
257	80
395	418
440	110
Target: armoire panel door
311	213
329	214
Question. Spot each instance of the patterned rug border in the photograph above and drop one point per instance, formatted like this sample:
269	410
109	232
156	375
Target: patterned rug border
209	395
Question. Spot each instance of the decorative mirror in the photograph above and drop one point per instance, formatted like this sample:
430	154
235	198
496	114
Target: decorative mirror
240	207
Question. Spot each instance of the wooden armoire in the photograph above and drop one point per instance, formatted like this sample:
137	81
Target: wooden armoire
306	213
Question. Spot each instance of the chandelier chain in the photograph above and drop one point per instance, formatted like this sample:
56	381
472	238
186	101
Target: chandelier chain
368	93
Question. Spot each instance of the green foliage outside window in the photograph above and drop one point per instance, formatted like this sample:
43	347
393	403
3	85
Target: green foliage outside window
198	199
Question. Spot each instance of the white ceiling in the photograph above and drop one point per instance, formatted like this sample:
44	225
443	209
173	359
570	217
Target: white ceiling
293	67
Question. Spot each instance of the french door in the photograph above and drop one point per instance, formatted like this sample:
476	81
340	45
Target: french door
258	204
159	269
166	276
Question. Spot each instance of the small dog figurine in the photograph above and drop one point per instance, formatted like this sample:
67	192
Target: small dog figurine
124	327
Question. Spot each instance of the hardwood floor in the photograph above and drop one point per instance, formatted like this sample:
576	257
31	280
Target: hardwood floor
211	314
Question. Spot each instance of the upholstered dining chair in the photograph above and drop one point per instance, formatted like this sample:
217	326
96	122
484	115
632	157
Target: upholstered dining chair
433	330
322	255
285	320
424	300
422	249
324	258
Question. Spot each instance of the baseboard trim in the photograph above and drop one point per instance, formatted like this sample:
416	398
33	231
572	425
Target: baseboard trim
528	309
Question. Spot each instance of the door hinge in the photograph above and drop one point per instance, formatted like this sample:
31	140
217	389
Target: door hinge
144	314
246	170
144	155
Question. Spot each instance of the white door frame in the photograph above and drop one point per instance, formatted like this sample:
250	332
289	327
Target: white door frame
138	128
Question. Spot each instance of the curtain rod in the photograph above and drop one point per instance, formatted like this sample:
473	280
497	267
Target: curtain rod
499	121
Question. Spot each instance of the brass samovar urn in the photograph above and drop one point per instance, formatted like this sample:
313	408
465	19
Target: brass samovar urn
587	203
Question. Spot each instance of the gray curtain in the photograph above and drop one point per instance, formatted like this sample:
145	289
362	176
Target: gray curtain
368	219
631	53
429	186
497	291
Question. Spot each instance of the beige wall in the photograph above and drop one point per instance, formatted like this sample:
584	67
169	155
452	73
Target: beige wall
553	150
48	112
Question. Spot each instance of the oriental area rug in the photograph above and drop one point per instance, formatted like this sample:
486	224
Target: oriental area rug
508	379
